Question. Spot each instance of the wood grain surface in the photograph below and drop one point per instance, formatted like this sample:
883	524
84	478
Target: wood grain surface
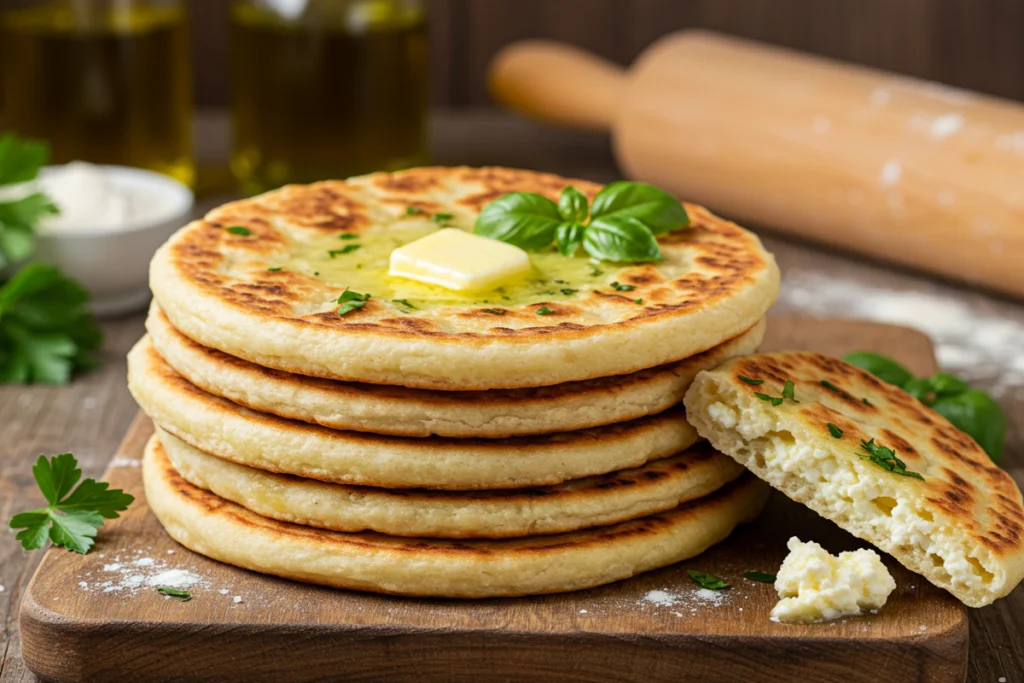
284	631
91	415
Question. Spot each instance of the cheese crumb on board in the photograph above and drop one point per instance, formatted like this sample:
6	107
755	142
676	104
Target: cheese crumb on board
459	260
815	586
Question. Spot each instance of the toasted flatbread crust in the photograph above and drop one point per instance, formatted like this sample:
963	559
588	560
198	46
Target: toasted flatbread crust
962	527
374	562
217	426
215	287
399	411
578	504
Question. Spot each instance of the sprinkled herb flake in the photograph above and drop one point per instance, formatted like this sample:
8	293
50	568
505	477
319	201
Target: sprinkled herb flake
566	291
835	431
709	581
348	236
867	403
831	387
886	459
239	230
274	270
442	217
494	311
347	249
595	271
774	400
751	380
638	301
404	302
174	593
622	288
351	301
544	310
788	389
414	211
760	577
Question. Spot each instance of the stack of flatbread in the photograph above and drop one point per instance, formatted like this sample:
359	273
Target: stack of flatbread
420	441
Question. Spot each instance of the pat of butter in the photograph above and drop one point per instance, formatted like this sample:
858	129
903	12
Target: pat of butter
459	260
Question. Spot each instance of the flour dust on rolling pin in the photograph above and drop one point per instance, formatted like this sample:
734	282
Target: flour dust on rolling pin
907	171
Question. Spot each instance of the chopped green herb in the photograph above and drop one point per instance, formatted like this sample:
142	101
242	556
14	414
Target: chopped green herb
835	431
886	459
831	387
441	217
351	301
348	248
560	282
568	291
761	577
404	302
638	301
750	380
274	270
774	400
494	311
787	391
544	310
348	236
622	288
239	230
174	593
709	581
413	211
867	402
72	517
595	271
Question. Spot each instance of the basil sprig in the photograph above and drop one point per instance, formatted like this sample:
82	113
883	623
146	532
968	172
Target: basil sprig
622	224
970	410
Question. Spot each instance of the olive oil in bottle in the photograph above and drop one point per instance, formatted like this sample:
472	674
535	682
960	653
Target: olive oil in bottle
103	81
337	91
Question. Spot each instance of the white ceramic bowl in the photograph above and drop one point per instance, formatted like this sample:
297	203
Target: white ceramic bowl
113	263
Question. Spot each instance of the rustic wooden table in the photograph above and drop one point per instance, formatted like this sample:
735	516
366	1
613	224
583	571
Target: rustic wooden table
975	335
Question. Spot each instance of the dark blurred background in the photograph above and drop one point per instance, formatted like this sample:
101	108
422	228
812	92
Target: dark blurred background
976	44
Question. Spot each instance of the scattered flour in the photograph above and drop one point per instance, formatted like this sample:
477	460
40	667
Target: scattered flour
133	572
125	462
583	611
821	125
237	599
695	600
2	589
661	598
946	125
891	173
880	97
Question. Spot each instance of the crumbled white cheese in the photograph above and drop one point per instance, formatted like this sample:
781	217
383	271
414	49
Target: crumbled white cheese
816	586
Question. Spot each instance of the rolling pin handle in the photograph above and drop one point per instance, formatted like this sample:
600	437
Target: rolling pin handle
558	84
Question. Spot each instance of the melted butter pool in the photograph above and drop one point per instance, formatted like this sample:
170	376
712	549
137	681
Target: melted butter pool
365	269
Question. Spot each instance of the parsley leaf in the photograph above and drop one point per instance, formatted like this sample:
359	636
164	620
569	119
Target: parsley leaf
239	230
174	593
831	387
638	301
47	332
352	301
17	222
413	211
787	391
835	431
348	248
544	310
886	459
69	520
750	380
348	236
761	577
274	270
774	400
622	288
709	581
566	291
442	217
20	159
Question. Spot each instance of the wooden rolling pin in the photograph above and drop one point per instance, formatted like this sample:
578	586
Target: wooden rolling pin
908	171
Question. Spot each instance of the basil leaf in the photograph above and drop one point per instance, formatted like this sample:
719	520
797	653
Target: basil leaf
569	236
880	366
979	415
944	384
573	205
622	238
920	388
525	219
656	209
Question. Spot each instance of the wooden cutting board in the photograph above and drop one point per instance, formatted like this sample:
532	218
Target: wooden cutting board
242	626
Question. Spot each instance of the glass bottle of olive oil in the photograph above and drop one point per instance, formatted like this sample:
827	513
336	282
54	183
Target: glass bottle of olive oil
327	89
106	81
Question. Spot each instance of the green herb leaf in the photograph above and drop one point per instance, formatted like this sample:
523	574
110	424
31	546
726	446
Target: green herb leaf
621	288
978	415
831	387
621	238
880	366
866	402
405	303
47	332
709	581
525	219
544	310
276	269
761	577
774	400
573	205
835	431
442	217
638	301
347	249
69	520
657	210
494	311
174	592
886	459
21	159
944	384
414	211
18	219
239	230
749	380
569	237
788	389
351	301
348	236
920	388
566	291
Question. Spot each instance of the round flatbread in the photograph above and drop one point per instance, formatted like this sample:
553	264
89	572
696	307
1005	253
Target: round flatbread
947	512
369	561
260	278
399	411
578	504
217	426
